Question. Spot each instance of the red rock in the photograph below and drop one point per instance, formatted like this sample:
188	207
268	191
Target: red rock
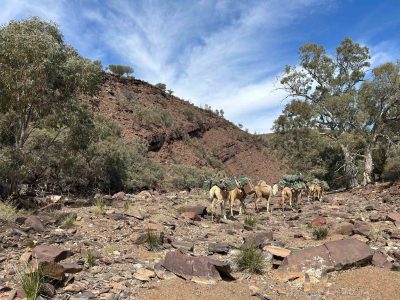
394	217
120	196
348	253
277	251
258	239
344	228
361	229
52	270
191	215
380	260
318	222
71	268
154	227
34	223
50	253
201	267
198	209
183	245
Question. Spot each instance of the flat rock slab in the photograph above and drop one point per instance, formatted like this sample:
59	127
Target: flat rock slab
34	223
349	253
343	228
277	251
394	217
221	248
258	239
336	255
50	253
197	209
183	245
193	268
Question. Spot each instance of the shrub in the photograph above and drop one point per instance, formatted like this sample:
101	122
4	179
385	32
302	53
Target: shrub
100	205
7	211
189	113
153	241
250	221
31	281
68	222
167	119
161	86
250	258
188	177
391	170
120	70
90	258
320	233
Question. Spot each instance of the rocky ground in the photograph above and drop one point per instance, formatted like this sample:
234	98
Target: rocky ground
104	253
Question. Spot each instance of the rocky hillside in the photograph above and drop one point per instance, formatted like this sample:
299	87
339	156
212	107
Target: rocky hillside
180	133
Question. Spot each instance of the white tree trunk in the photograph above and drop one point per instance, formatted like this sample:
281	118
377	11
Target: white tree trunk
368	167
350	168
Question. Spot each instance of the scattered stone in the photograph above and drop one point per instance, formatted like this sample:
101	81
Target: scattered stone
26	256
201	267
191	215
277	251
361	228
318	222
154	227
344	228
135	214
48	290
380	260
34	223
198	210
258	239
220	248
287	276
182	245
120	196
52	270
144	274
71	268
394	217
50	253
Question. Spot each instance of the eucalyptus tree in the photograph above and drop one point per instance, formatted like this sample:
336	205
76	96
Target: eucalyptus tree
329	85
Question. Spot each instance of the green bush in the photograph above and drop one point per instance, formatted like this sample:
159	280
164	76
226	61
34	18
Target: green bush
320	233
189	113
120	70
153	241
391	170
188	177
250	221
250	258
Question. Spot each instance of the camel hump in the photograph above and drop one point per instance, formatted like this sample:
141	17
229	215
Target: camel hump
262	183
275	189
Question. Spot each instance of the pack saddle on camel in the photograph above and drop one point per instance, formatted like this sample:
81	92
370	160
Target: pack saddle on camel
240	193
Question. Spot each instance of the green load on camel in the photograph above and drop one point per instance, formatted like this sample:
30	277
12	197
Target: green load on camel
224	183
296	182
322	183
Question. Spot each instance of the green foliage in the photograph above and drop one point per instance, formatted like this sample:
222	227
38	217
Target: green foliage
250	258
153	240
90	258
189	113
250	221
161	86
100	205
120	70
188	177
68	222
31	281
391	170
181	209
7	211
320	233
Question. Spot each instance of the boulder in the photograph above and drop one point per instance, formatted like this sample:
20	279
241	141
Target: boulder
154	227
52	270
71	268
318	222
394	217
348	253
120	196
258	239
199	268
336	255
221	248
361	228
277	251
343	228
314	260
191	215
50	253
144	274
197	209
380	260
34	223
183	245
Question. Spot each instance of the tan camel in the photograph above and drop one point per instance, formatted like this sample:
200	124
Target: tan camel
315	192
240	195
290	194
263	190
217	195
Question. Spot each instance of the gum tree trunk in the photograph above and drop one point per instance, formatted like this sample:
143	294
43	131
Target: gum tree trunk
350	168
368	167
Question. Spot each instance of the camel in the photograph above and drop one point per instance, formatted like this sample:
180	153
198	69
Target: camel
218	195
263	190
315	192
290	194
240	195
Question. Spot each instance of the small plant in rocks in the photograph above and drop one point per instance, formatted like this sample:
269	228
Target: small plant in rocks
250	221
90	258
31	280
153	240
320	233
250	258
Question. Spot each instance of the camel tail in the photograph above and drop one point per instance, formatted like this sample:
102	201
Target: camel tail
212	195
275	189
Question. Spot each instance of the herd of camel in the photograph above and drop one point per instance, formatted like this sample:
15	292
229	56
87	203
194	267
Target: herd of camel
261	190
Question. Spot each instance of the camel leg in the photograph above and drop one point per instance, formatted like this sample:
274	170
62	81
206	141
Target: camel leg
231	201
268	201
242	208
255	204
223	207
283	203
212	211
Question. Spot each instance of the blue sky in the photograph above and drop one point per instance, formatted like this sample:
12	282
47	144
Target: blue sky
227	54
